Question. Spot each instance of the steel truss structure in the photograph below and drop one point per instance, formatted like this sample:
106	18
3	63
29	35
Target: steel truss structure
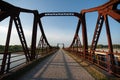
108	9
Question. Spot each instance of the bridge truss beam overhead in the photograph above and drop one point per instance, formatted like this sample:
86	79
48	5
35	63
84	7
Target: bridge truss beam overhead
108	9
82	21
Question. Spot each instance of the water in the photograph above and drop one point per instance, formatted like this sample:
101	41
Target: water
13	64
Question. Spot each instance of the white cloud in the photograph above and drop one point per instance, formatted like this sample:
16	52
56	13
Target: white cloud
53	37
14	36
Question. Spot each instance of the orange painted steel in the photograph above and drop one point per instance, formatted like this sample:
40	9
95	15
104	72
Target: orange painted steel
106	61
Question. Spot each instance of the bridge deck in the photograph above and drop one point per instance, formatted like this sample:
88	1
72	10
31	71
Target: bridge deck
59	66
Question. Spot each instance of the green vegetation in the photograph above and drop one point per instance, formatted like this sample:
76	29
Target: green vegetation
12	48
2	48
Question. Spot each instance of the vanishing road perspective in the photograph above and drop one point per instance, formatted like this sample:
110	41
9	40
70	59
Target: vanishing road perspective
59	40
59	66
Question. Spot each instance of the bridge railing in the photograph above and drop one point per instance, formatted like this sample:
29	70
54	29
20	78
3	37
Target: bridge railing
16	60
100	59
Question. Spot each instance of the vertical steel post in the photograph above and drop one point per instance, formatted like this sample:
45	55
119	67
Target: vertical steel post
110	54
6	46
57	44
77	43
8	64
42	42
34	36
84	35
63	46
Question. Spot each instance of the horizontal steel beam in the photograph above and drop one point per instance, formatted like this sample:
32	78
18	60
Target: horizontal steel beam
102	7
7	10
59	14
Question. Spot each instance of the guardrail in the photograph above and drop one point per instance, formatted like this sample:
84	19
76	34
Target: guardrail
15	60
100	59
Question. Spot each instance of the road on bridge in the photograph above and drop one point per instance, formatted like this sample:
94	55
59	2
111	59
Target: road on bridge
59	66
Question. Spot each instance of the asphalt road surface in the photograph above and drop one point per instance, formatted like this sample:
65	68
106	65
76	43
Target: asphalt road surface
59	66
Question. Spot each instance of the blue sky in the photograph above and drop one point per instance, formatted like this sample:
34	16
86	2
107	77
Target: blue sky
59	29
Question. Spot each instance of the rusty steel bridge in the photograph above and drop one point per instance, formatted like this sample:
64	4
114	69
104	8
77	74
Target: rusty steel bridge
79	49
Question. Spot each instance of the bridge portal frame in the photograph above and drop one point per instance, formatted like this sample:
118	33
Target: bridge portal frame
81	20
61	44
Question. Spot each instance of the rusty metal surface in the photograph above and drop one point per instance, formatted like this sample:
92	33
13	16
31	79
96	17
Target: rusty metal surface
109	8
105	10
59	14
